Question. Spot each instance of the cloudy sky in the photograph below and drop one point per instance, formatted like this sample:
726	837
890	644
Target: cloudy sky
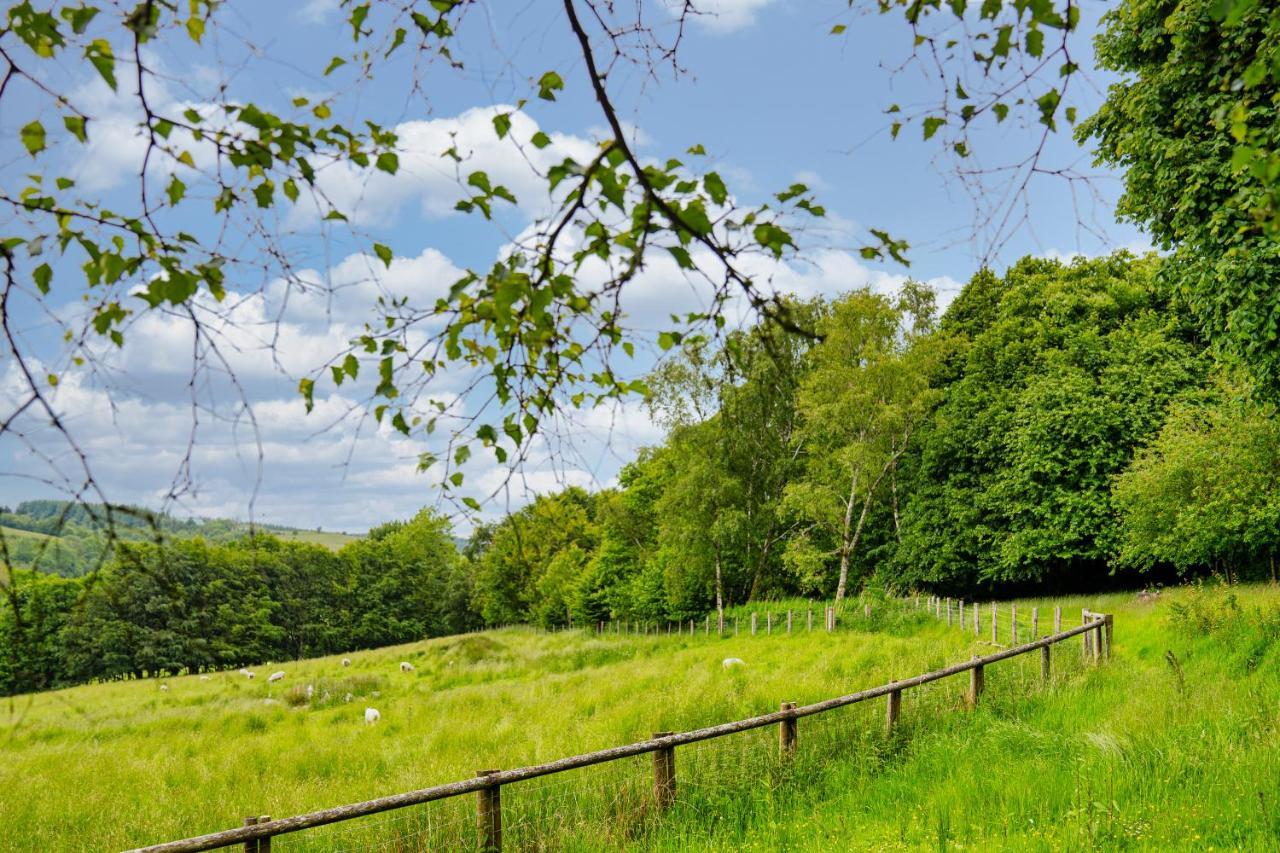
771	95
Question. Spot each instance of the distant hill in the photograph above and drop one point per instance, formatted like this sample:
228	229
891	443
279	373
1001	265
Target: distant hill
69	539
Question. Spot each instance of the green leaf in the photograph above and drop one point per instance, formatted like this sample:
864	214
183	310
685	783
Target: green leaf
682	257
666	340
838	29
101	56
540	140
931	125
548	85
307	388
75	124
715	187
389	162
383	252
42	275
502	124
33	137
472	503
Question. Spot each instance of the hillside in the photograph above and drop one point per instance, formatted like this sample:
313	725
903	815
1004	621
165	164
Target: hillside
1166	755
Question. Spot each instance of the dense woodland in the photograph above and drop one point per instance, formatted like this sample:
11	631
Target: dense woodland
1062	427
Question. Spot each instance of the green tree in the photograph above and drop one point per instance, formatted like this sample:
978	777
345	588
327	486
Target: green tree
1206	491
1194	126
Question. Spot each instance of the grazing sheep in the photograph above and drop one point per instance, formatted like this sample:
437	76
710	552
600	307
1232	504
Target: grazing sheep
244	671
310	691
730	663
405	666
164	687
204	678
1148	595
346	661
371	715
347	698
249	675
274	677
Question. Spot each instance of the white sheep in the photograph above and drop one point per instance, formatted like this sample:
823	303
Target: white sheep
274	677
346	661
310	690
248	675
164	687
371	715
730	663
204	678
244	671
347	698
405	666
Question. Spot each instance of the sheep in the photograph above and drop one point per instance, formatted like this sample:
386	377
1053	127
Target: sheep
164	687
248	675
204	678
346	661
310	691
244	671
371	715
347	698
274	677
405	666
730	663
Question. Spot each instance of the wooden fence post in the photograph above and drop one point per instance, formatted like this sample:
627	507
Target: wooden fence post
810	620
788	621
866	611
948	611
735	626
976	683
753	623
768	624
1084	620
690	627
961	614
892	710
720	622
995	637
489	815
706	629
257	845
1108	621
787	731
1013	624
1035	623
1044	664
1057	620
664	773
977	619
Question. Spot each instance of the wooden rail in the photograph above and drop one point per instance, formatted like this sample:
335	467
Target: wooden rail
256	836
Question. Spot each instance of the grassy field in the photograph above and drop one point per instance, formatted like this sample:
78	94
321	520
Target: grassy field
17	533
328	538
1149	752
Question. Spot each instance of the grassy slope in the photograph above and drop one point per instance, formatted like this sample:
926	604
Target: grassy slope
22	534
1116	757
329	539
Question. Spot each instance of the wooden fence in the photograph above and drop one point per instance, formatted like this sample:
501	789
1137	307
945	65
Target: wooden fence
257	833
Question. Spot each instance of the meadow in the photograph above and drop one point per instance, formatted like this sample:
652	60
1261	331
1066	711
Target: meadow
1173	745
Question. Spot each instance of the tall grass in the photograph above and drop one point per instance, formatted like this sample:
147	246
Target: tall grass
1141	753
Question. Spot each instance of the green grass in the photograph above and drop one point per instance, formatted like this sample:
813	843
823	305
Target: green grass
17	533
1138	754
328	538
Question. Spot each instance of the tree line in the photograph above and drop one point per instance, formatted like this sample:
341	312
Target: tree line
190	605
1061	427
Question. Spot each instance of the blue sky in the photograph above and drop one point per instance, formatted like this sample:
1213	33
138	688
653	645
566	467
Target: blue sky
770	93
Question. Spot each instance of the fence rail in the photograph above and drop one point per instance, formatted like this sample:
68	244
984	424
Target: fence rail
257	833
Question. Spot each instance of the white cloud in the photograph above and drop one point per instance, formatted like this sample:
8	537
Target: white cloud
435	181
722	16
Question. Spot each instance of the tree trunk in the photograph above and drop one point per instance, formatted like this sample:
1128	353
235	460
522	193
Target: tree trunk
844	539
897	526
719	587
